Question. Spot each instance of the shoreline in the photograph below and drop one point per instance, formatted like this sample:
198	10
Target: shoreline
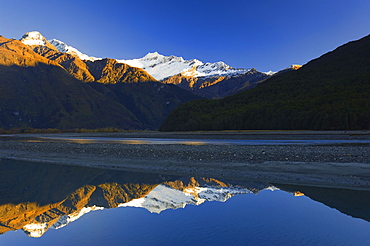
344	166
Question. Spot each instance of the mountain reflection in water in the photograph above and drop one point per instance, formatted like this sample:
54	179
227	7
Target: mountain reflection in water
36	197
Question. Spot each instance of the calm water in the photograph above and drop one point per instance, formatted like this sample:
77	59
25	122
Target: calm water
63	205
203	141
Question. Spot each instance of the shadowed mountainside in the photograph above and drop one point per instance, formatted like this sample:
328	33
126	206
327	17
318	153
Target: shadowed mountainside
328	93
150	102
216	87
72	64
39	93
48	91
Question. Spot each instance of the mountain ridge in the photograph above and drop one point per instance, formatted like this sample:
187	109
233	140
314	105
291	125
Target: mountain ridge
39	93
154	63
64	48
217	87
170	69
328	93
83	67
44	88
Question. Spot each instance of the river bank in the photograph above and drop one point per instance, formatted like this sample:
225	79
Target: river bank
336	165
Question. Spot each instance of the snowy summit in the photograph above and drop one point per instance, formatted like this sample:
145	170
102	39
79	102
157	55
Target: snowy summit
162	67
159	66
33	38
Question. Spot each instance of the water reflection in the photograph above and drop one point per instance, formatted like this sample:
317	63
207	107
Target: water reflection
38	197
116	140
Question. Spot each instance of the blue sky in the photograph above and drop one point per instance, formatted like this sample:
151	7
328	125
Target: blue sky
264	34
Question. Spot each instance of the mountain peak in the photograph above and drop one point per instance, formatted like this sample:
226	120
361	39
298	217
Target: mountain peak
152	55
158	58
162	67
33	38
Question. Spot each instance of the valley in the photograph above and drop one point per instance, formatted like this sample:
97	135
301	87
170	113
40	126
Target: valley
49	84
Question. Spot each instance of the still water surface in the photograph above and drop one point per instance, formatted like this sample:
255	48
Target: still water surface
63	205
205	141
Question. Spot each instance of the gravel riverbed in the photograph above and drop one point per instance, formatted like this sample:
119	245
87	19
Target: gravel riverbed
317	164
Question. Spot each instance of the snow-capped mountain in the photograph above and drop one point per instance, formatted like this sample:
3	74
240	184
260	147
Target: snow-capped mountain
162	67
210	80
157	65
215	69
33	38
63	47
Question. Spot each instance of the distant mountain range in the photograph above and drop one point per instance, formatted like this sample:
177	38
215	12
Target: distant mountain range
49	84
209	80
329	93
159	66
45	88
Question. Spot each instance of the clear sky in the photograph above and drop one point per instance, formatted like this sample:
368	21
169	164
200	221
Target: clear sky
264	34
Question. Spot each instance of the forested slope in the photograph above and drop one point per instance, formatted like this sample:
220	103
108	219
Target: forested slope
331	92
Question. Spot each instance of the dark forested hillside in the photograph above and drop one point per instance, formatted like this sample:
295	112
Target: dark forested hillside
331	92
38	93
46	89
150	102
